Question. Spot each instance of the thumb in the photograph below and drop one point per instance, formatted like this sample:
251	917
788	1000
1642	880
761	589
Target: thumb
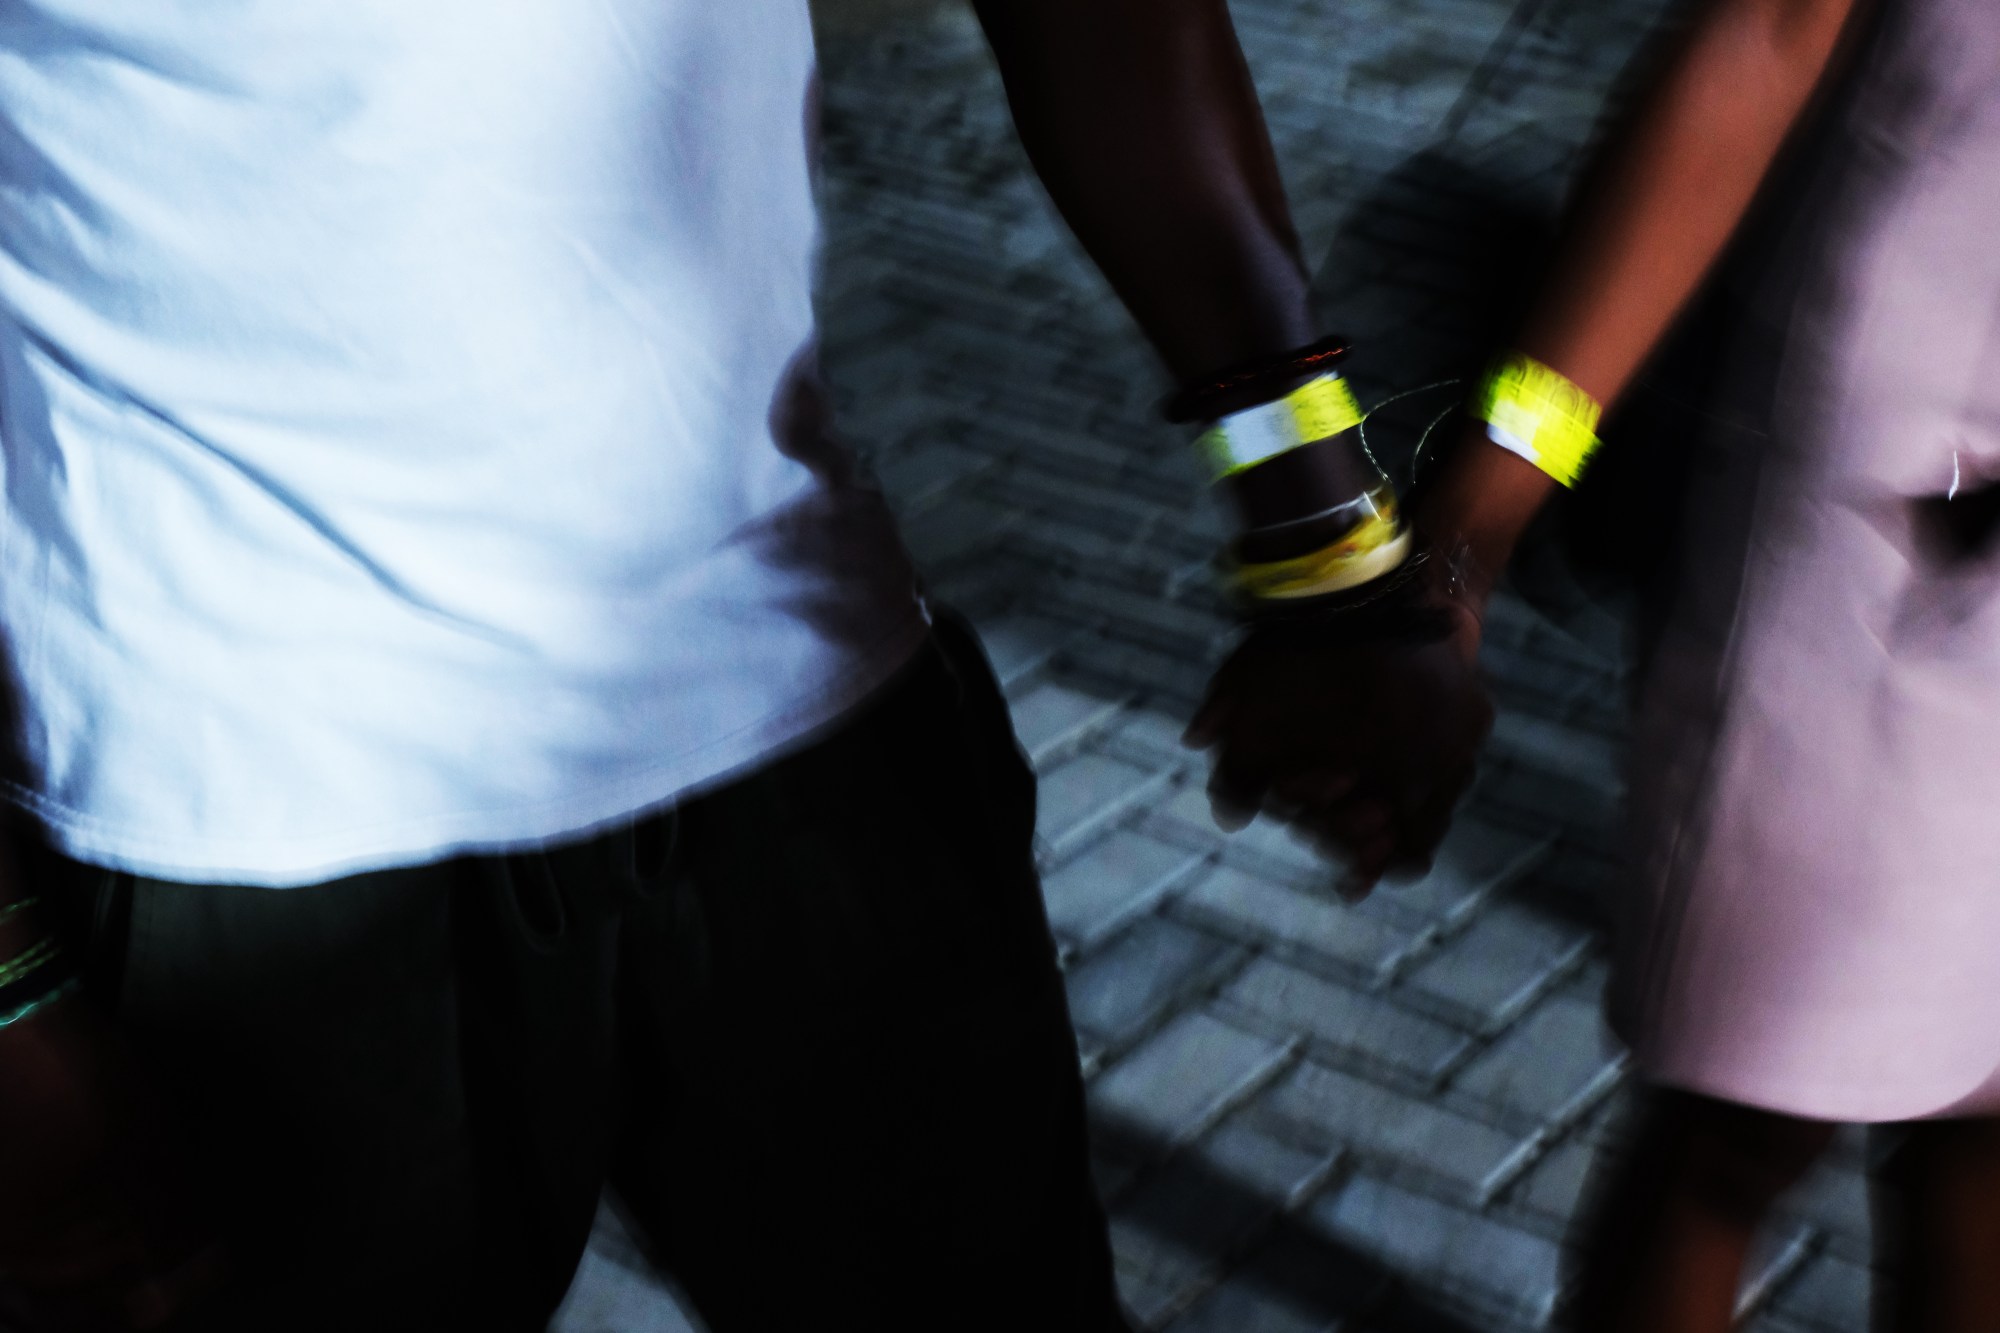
1206	726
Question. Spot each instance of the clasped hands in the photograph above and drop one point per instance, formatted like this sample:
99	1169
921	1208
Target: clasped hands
1362	740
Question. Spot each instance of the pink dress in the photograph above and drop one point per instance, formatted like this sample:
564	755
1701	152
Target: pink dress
1816	782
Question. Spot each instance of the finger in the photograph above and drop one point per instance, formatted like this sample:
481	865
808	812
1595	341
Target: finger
1364	869
1410	864
1233	795
1229	814
1340	830
1370	861
1205	727
1352	887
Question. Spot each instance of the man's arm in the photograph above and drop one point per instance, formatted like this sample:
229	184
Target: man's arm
1140	118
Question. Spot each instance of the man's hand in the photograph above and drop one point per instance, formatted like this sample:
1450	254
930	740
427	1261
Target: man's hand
1363	745
96	1231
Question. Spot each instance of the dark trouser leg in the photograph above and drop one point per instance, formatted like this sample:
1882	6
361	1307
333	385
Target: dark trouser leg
853	1092
1937	1228
1665	1239
393	1085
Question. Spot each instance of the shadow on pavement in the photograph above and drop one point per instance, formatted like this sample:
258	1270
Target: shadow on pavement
1275	1256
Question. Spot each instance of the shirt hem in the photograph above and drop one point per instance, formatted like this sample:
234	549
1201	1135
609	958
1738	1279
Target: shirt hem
296	862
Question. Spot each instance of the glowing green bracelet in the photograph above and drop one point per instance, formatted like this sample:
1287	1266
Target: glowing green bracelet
1536	412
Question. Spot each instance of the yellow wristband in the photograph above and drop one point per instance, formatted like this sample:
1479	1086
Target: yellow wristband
1535	412
1370	549
1314	411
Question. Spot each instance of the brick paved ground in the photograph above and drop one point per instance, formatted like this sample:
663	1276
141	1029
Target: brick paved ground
1309	1116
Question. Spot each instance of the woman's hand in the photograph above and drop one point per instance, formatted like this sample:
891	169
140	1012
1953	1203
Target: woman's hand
1363	744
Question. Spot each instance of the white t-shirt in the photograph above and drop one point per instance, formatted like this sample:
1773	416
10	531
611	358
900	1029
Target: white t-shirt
410	436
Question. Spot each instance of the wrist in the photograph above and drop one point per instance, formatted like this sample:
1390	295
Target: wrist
1282	442
1479	501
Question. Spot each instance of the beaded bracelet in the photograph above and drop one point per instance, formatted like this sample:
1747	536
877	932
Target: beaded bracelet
1536	412
1265	375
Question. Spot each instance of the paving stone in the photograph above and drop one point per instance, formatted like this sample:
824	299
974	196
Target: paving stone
1578	761
923	476
1296	1275
1103	885
1556	1185
1438	1246
1316	1105
1187	805
1507	953
1778	1256
1148	1300
1361	1025
959	526
1242	1304
1540	1064
1834	1198
1086	792
1171	1082
1265	846
616	1291
1826	1293
1328	929
1179	1225
1119	991
1150	734
1767	1321
1270	841
1052	716
1258	1161
1474	859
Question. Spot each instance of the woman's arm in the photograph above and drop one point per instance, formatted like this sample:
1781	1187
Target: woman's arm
1664	201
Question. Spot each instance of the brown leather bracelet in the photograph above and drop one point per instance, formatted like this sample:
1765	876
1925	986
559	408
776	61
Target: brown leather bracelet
1249	382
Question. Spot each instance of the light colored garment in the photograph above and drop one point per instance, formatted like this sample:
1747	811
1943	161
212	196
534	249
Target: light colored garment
1817	774
411	440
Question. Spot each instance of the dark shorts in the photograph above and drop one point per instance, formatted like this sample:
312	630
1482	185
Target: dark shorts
807	1029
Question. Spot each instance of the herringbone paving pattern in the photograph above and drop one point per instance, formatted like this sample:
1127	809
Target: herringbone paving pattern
1310	1115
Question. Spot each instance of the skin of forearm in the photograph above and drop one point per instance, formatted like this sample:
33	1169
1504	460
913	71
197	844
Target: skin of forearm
1664	202
1674	191
1141	119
